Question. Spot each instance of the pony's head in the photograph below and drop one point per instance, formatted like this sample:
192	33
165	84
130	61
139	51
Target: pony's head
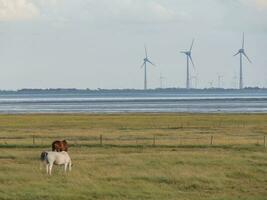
43	156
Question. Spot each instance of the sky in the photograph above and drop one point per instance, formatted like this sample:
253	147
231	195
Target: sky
100	43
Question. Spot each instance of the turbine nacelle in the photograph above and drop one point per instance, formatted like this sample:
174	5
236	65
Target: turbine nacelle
241	51
188	53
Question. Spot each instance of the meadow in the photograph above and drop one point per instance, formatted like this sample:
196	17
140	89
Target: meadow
142	156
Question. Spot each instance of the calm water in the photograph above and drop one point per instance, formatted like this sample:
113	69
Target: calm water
112	102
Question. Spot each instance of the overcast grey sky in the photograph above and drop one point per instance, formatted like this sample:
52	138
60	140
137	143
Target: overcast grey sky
100	43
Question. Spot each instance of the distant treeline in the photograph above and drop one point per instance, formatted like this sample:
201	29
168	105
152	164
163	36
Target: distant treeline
99	90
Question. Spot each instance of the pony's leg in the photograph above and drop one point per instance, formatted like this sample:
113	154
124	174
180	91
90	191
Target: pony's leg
47	168
50	168
65	167
69	166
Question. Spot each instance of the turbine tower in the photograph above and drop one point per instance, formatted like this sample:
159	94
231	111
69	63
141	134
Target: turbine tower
146	60
220	79
188	57
161	80
242	53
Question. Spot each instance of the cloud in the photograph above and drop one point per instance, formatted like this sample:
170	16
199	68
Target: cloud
139	11
50	2
92	10
134	11
258	4
262	4
16	10
116	10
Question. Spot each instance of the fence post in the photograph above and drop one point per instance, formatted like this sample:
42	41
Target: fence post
101	140
211	140
33	140
154	141
265	142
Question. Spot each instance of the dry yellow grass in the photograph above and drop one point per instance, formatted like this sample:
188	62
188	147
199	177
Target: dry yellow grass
130	129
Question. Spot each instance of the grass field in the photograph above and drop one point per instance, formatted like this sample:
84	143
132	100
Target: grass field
230	169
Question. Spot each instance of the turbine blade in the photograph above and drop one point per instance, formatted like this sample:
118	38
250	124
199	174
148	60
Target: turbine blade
192	61
192	45
236	54
146	51
243	42
151	63
247	57
183	52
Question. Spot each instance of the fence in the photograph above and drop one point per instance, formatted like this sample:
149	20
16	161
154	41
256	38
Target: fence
153	140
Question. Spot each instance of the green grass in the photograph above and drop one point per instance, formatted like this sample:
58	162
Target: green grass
125	171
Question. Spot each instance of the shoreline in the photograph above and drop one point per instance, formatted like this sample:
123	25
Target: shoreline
131	113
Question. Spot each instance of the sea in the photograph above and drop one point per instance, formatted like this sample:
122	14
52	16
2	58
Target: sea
153	101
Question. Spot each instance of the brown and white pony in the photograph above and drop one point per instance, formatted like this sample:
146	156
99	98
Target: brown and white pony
60	146
50	158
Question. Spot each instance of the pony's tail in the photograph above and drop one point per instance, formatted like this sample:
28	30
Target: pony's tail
43	156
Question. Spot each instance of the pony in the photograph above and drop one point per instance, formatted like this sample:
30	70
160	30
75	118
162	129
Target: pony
49	158
60	146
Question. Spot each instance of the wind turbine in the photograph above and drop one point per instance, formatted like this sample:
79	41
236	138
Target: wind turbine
220	79
146	60
195	78
188	57
242	53
161	80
